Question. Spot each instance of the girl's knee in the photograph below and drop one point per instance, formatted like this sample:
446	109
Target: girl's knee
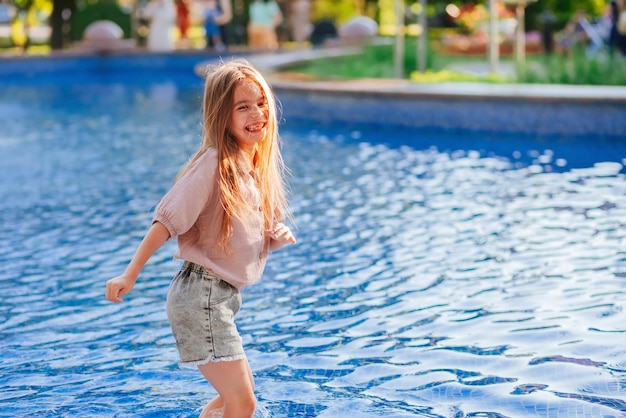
249	405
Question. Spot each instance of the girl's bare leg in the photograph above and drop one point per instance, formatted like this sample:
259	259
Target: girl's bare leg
213	406
235	385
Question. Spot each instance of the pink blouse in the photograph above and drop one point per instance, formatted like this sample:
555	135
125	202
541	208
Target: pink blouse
191	211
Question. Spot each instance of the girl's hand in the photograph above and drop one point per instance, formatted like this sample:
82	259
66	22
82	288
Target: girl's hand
281	234
119	286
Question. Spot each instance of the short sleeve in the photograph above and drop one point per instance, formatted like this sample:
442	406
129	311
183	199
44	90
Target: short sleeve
181	206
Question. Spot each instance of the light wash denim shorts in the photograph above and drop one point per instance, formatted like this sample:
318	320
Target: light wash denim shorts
201	309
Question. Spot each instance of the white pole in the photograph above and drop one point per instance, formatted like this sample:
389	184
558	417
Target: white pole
494	42
521	36
399	45
423	38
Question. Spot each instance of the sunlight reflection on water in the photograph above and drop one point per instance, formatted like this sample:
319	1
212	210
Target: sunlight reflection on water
435	275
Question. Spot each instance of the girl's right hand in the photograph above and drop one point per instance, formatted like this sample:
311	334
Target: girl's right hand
119	286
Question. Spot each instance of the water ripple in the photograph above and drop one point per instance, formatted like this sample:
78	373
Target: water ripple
433	276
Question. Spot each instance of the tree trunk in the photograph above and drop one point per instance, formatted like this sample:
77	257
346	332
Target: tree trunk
61	14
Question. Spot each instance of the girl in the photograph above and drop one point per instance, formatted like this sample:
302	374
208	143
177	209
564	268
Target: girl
226	208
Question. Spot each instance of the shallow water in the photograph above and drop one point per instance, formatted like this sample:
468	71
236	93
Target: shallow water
436	275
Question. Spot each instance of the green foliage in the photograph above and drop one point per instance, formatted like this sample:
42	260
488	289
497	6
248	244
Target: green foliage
23	4
576	68
567	8
448	76
376	61
92	11
337	10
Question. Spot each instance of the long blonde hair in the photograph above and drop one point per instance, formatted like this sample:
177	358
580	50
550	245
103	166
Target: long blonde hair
221	81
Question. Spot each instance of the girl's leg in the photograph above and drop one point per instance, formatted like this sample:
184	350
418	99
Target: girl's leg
235	386
217	403
213	406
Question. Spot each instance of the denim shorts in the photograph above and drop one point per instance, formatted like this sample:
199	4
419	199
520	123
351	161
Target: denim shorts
201	309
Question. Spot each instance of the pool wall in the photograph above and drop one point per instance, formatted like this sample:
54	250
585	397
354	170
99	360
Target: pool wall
535	110
472	107
17	67
32	69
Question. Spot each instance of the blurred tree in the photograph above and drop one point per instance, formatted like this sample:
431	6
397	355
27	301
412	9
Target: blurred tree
20	24
34	12
89	11
563	10
60	19
29	13
342	10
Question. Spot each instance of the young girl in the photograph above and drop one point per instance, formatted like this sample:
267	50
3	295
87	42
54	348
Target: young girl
226	208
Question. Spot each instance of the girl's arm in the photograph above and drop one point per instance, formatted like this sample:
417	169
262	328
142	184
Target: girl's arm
121	285
226	15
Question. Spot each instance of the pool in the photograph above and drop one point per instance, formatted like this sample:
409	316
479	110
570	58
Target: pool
437	274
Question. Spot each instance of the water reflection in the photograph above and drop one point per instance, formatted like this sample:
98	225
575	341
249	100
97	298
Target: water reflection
435	275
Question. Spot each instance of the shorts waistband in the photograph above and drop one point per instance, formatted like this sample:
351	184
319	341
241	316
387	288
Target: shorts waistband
196	268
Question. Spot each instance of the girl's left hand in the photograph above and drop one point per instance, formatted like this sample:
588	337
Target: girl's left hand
282	234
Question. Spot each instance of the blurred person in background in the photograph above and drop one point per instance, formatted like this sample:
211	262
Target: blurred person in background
162	17
222	19
182	20
300	21
265	16
213	34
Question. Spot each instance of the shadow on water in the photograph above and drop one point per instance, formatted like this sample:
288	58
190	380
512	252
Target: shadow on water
436	274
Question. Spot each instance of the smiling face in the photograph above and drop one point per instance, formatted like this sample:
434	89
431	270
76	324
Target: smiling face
249	116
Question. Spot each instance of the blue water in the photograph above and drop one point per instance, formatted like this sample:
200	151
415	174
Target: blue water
436	275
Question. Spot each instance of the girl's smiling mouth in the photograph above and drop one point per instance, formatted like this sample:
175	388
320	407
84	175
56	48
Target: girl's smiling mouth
256	127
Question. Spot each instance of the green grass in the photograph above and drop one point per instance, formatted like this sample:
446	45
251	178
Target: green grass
377	61
577	68
374	62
